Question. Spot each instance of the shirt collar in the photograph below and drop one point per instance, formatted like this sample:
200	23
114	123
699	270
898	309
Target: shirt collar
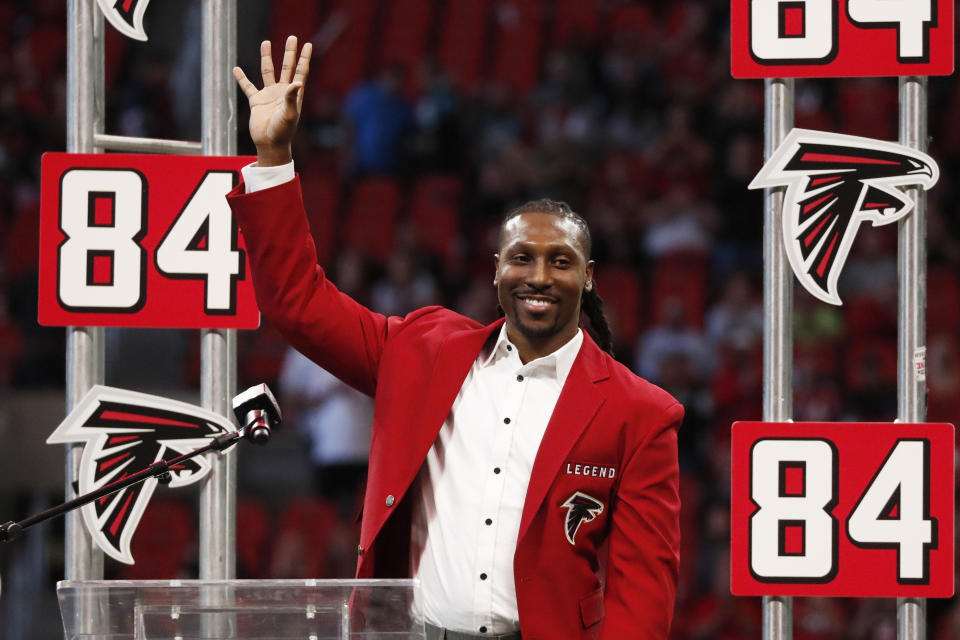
557	363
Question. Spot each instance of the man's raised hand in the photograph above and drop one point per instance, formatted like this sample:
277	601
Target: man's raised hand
275	109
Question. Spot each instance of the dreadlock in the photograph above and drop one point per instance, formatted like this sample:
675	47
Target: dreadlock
591	304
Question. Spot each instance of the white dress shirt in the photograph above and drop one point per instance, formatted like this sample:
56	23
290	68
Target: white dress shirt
472	486
468	498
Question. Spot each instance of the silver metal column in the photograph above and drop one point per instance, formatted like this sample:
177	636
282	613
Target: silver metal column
85	345
777	314
219	347
911	323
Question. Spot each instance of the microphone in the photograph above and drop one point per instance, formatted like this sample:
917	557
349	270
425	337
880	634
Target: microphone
257	411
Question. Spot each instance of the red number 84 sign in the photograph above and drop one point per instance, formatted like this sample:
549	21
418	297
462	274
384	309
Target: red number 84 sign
842	509
840	38
142	241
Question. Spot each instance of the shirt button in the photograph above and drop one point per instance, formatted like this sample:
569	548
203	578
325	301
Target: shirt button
483	629
390	501
496	469
483	576
509	348
488	522
506	421
519	378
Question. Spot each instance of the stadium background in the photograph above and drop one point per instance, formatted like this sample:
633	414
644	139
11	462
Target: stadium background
625	110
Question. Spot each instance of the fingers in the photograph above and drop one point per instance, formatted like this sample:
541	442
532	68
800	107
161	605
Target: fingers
289	55
245	85
303	64
266	64
292	96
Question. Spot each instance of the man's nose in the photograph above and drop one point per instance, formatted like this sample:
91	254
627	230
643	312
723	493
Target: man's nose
539	274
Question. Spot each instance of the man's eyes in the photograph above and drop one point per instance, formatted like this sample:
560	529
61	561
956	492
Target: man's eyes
560	262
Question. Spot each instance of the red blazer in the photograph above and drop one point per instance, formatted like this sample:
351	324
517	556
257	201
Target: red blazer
612	437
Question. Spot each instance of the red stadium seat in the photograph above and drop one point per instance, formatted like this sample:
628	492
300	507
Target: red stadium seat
435	213
321	195
575	19
620	289
292	17
303	539
462	41
162	540
404	41
637	19
343	63
943	294
253	538
874	356
680	275
371	222
518	38
866	316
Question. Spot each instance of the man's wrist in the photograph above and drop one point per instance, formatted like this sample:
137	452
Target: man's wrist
274	156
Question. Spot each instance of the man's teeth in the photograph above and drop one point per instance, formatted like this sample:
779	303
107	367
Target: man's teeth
536	303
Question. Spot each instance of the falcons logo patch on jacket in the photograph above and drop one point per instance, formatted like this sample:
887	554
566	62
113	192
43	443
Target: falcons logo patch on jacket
124	432
580	508
126	16
834	183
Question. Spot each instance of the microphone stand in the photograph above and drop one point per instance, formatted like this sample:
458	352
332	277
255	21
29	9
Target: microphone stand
161	470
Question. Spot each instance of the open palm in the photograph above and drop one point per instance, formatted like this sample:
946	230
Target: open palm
275	109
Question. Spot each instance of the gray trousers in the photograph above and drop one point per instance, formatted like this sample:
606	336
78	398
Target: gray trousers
436	633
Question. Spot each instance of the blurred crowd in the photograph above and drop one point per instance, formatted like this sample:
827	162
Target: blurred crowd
424	121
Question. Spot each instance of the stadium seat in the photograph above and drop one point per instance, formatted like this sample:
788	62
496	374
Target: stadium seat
463	40
943	294
620	289
253	538
292	17
636	19
519	27
404	39
321	195
866	316
303	539
435	213
575	19
343	60
162	540
371	219
680	275
876	356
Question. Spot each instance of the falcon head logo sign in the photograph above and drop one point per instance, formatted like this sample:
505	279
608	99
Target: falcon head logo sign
834	183
126	16
580	508
124	432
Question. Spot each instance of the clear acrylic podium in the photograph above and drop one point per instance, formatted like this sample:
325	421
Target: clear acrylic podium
239	610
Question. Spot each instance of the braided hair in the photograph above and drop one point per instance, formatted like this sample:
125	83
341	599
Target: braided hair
591	304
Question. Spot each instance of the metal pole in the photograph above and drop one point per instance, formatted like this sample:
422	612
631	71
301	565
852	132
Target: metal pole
218	369
85	345
777	314
911	323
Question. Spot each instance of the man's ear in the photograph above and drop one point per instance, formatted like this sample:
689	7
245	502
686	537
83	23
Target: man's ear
589	280
496	268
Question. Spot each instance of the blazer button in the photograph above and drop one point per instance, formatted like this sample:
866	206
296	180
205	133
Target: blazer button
359	550
390	501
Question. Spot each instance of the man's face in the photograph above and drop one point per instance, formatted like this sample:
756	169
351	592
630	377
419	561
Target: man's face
541	272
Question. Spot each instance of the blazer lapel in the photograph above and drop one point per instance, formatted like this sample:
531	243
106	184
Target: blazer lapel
578	403
457	354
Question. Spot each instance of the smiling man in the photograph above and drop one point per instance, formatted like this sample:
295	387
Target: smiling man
481	434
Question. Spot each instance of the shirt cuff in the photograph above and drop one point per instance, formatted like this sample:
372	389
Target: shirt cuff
257	178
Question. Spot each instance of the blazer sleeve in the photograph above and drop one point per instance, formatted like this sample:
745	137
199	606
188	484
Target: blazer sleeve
644	551
293	293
